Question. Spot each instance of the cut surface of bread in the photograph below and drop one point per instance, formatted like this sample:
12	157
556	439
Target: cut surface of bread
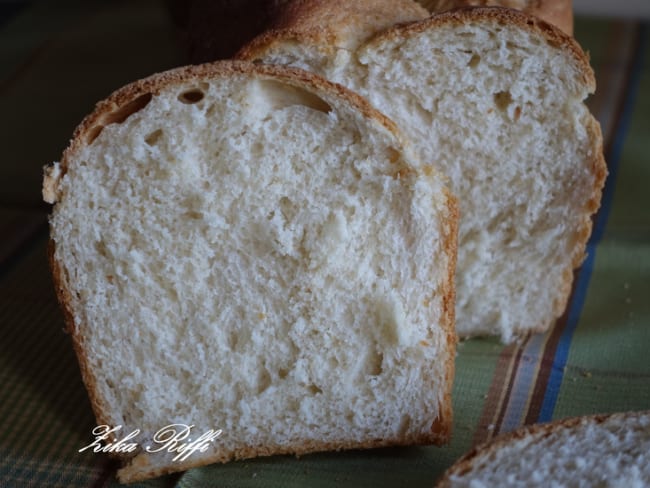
595	451
493	98
556	12
251	249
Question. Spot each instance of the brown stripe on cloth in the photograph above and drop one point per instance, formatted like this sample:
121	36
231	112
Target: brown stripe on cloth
499	392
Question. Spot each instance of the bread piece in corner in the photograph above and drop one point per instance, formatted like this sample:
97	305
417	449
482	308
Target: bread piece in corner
251	249
600	450
494	98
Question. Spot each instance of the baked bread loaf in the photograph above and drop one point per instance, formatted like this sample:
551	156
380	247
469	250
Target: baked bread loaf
250	249
556	12
595	451
494	98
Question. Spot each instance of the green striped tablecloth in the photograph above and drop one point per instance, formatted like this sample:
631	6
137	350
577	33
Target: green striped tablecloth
57	60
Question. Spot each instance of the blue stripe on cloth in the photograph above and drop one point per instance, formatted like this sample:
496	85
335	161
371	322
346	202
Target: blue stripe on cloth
562	351
613	158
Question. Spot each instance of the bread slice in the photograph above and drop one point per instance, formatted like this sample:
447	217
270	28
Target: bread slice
601	450
250	249
493	98
556	12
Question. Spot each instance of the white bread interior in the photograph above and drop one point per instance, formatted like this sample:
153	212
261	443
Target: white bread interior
493	98
251	249
604	451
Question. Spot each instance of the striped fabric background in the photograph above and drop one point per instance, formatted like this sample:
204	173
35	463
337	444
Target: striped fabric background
56	62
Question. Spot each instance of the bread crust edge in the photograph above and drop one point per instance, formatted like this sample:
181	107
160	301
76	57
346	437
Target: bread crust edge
464	464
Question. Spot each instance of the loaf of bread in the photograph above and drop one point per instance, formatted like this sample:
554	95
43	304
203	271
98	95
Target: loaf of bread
596	451
494	98
253	251
556	12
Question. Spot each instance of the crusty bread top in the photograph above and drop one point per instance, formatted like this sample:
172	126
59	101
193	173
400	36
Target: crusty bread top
134	96
556	12
303	28
337	24
622	432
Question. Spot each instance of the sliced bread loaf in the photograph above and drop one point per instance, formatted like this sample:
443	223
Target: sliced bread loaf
493	98
251	250
595	451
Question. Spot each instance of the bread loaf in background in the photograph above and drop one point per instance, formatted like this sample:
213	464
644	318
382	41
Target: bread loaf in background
217	29
556	12
494	99
254	250
593	451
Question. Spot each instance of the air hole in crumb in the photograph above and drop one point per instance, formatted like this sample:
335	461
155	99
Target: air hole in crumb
233	340
375	364
314	390
192	96
474	60
154	137
100	247
288	208
269	95
502	99
118	116
405	425
393	154
263	381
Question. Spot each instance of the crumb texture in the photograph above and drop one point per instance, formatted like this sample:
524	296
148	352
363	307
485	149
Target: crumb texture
254	255
496	105
588	453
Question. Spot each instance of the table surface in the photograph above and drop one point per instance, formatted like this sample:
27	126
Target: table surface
55	63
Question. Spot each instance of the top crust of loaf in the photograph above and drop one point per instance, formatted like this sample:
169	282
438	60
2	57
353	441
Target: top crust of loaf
130	98
556	12
482	453
291	28
116	108
349	24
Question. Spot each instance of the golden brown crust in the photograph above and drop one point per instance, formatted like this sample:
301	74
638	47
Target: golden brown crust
598	167
112	108
62	289
296	29
142	468
464	464
443	424
332	25
117	107
552	35
556	12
